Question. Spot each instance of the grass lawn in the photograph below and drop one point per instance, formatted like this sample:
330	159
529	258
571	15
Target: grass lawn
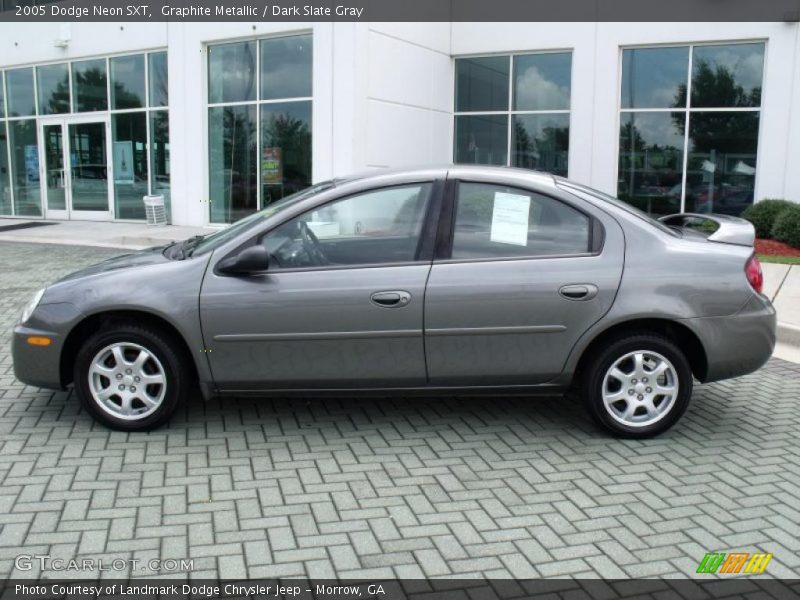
784	260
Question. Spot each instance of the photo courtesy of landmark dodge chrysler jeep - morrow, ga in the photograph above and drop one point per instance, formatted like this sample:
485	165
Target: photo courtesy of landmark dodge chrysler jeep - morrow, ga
451	280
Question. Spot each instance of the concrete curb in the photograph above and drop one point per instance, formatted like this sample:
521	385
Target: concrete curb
788	334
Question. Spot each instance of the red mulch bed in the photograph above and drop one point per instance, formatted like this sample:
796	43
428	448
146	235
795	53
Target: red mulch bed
773	248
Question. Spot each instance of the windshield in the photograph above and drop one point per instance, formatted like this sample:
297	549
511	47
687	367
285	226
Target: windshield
209	242
584	191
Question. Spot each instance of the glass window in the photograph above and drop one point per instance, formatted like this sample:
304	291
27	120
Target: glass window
482	84
285	149
232	162
21	100
5	180
651	161
542	81
159	156
286	67
721	170
25	167
541	142
381	226
720	147
727	76
495	221
89	85
127	82
232	72
53	87
2	96
654	77
130	164
159	79
481	139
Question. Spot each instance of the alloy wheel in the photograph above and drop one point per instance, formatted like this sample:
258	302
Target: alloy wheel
127	381
640	388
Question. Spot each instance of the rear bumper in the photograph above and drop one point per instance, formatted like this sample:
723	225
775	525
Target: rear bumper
737	344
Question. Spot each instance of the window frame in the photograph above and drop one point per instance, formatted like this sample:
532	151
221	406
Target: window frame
425	245
689	109
509	111
447	224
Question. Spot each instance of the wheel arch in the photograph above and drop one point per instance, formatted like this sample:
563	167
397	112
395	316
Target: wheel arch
97	321
680	334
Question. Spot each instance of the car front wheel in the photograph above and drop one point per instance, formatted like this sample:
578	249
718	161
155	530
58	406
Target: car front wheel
638	386
130	377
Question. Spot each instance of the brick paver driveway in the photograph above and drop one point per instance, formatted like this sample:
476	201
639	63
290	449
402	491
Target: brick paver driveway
393	487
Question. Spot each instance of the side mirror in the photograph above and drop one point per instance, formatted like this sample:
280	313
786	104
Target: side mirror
250	260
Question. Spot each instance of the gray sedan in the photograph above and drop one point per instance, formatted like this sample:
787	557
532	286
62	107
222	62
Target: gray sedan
452	280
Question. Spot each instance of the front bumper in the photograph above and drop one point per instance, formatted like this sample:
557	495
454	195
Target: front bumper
41	365
737	344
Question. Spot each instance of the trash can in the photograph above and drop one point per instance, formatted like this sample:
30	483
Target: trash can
154	210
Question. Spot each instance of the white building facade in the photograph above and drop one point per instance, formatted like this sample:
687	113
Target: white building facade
224	118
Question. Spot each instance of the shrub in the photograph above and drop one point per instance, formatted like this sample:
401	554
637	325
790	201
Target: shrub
763	214
787	226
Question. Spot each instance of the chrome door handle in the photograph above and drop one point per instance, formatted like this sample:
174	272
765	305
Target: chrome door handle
579	291
390	299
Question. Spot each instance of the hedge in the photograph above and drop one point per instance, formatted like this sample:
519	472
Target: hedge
787	226
763	214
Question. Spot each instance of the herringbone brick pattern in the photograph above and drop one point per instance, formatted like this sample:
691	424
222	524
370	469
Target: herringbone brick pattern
393	487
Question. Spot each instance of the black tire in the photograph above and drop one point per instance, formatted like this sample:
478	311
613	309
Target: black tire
598	365
163	347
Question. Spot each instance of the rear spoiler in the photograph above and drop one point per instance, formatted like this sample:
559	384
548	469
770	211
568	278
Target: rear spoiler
730	230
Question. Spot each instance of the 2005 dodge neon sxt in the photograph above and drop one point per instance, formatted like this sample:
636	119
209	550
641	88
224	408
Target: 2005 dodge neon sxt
438	280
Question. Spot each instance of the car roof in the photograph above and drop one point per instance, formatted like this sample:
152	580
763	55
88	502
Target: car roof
477	172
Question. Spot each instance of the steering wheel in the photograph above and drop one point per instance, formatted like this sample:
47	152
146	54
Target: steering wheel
312	245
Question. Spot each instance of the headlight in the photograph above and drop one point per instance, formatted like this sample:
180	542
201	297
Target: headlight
26	314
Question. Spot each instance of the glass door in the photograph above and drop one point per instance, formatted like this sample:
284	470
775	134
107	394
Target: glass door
76	168
54	176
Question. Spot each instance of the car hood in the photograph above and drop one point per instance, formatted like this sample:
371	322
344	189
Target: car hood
150	256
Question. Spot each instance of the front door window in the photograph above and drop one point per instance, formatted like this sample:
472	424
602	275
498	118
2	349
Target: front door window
89	166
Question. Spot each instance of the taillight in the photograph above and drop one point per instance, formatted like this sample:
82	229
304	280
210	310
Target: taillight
754	275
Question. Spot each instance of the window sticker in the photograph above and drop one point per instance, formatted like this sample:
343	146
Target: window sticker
510	219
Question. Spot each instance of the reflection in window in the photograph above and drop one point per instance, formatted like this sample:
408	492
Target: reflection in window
127	82
2	96
286	67
232	72
720	146
232	145
130	164
5	179
482	84
542	81
25	167
89	85
654	77
541	142
651	161
530	90
285	149
727	76
53	86
260	151
159	79
482	139
159	156
720	176
19	86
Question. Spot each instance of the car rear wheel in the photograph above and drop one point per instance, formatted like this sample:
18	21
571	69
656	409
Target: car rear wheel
130	377
638	386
